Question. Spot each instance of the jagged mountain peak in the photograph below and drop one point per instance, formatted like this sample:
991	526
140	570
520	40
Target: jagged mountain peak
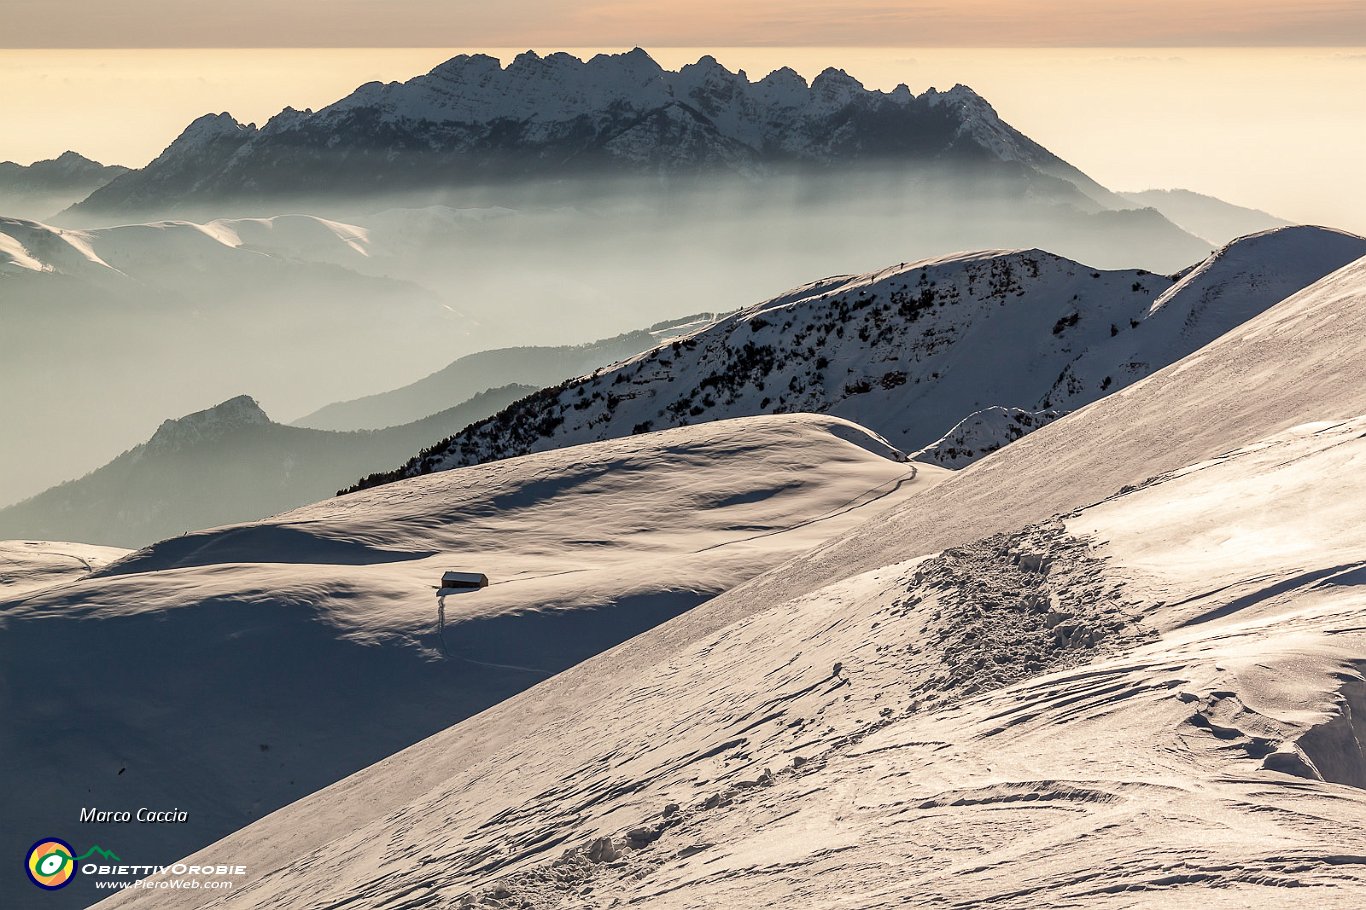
835	81
472	119
212	423
636	60
710	74
214	126
477	88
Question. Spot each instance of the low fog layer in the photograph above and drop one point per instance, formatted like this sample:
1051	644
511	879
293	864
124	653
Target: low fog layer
111	331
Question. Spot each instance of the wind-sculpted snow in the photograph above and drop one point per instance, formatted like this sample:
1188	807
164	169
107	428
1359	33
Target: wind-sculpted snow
274	658
27	565
1092	786
1148	702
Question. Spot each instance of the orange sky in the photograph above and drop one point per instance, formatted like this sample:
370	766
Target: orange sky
578	23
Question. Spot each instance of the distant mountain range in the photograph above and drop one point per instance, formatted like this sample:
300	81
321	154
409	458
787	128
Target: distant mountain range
44	188
470	121
1205	216
108	332
227	463
617	130
912	350
528	366
232	463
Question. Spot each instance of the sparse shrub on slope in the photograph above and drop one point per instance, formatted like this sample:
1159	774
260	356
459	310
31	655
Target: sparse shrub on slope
908	352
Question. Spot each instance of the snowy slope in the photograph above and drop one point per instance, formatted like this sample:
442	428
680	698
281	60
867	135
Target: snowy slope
1236	283
134	248
903	351
28	565
1107	692
912	350
228	463
274	658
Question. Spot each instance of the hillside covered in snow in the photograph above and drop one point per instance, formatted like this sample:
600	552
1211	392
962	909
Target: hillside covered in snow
912	350
1118	664
1013	559
981	433
312	639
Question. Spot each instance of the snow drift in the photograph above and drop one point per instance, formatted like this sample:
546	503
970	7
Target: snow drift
274	658
1175	574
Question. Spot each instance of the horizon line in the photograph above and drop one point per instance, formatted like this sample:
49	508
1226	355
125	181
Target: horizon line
693	46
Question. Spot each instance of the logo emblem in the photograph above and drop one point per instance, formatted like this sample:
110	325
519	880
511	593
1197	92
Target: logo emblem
51	863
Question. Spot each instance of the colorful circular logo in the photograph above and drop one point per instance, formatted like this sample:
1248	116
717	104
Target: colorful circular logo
51	863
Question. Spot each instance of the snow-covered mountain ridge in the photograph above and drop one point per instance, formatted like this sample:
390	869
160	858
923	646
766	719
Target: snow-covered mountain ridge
1232	286
912	350
901	351
471	120
312	638
38	247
